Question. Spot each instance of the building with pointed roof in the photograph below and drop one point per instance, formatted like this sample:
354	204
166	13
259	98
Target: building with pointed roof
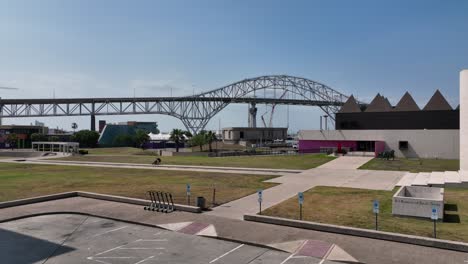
379	104
403	128
406	103
437	103
350	106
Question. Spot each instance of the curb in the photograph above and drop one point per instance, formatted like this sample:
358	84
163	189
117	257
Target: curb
381	235
112	198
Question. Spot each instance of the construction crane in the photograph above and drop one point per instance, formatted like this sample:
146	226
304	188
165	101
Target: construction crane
270	123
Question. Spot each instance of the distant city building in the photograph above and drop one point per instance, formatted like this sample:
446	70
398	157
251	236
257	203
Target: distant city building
432	132
23	134
114	134
253	135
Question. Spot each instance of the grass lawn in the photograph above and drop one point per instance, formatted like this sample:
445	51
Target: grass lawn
272	162
353	207
25	180
412	165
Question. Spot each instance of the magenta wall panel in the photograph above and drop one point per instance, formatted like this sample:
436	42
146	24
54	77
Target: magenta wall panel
315	145
379	147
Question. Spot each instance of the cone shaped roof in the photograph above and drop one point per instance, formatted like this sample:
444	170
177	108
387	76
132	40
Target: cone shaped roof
437	102
351	106
379	104
407	103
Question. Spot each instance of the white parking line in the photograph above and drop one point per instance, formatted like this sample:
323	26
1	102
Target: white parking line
109	250
151	240
110	231
225	254
141	261
136	248
288	258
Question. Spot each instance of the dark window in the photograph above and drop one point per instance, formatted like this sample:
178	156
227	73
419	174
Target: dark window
403	144
242	134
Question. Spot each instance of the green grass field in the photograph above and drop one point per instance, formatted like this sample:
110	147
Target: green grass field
353	207
130	155
412	165
25	180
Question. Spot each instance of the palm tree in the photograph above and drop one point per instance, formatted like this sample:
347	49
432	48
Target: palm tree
179	136
210	137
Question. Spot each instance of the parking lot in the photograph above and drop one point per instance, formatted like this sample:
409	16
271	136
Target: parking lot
70	239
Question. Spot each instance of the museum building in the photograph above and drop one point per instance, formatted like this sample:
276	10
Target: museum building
430	132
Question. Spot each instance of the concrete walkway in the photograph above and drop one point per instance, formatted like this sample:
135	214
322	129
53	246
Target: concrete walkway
291	184
236	170
365	250
346	163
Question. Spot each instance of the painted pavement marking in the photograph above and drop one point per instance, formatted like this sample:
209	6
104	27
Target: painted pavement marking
227	253
113	230
193	228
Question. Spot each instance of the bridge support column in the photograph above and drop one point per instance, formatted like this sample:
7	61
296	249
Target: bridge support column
93	123
252	115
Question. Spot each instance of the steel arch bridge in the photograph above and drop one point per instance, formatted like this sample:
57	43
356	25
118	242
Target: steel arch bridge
194	111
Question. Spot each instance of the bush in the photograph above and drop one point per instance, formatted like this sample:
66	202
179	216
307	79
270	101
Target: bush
83	152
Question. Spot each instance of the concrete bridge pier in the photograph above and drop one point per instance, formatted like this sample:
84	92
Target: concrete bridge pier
252	115
93	123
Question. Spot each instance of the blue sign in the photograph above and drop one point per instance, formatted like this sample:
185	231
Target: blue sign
260	195
300	196
376	206
435	213
188	188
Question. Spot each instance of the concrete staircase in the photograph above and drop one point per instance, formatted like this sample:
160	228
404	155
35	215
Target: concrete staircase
434	179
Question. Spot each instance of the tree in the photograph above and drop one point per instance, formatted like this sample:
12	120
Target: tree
54	139
124	140
198	140
11	139
179	136
141	138
210	138
87	138
38	137
74	127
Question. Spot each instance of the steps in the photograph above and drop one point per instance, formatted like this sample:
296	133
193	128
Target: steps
407	179
435	179
452	178
421	179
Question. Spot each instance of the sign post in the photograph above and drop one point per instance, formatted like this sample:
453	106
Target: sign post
434	217
260	199
188	193
300	196
376	210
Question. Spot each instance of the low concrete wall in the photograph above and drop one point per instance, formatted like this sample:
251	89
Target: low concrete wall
409	239
38	199
21	154
112	198
417	201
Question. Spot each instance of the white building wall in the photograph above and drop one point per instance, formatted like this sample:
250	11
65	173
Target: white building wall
440	143
464	121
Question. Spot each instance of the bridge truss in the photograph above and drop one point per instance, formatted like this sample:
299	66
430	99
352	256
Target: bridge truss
194	111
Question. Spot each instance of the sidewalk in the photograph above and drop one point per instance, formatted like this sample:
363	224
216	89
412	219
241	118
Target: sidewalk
364	249
291	184
237	170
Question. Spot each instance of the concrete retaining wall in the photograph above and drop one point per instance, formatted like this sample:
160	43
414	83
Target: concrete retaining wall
416	240
112	198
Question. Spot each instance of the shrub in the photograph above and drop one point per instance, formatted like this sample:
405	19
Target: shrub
83	152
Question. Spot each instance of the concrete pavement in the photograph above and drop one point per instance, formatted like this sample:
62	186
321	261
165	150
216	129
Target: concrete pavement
346	163
365	250
291	184
236	170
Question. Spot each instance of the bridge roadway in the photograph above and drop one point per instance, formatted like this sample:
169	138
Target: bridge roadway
194	111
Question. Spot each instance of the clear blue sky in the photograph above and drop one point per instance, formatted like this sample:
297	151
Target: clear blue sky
108	48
